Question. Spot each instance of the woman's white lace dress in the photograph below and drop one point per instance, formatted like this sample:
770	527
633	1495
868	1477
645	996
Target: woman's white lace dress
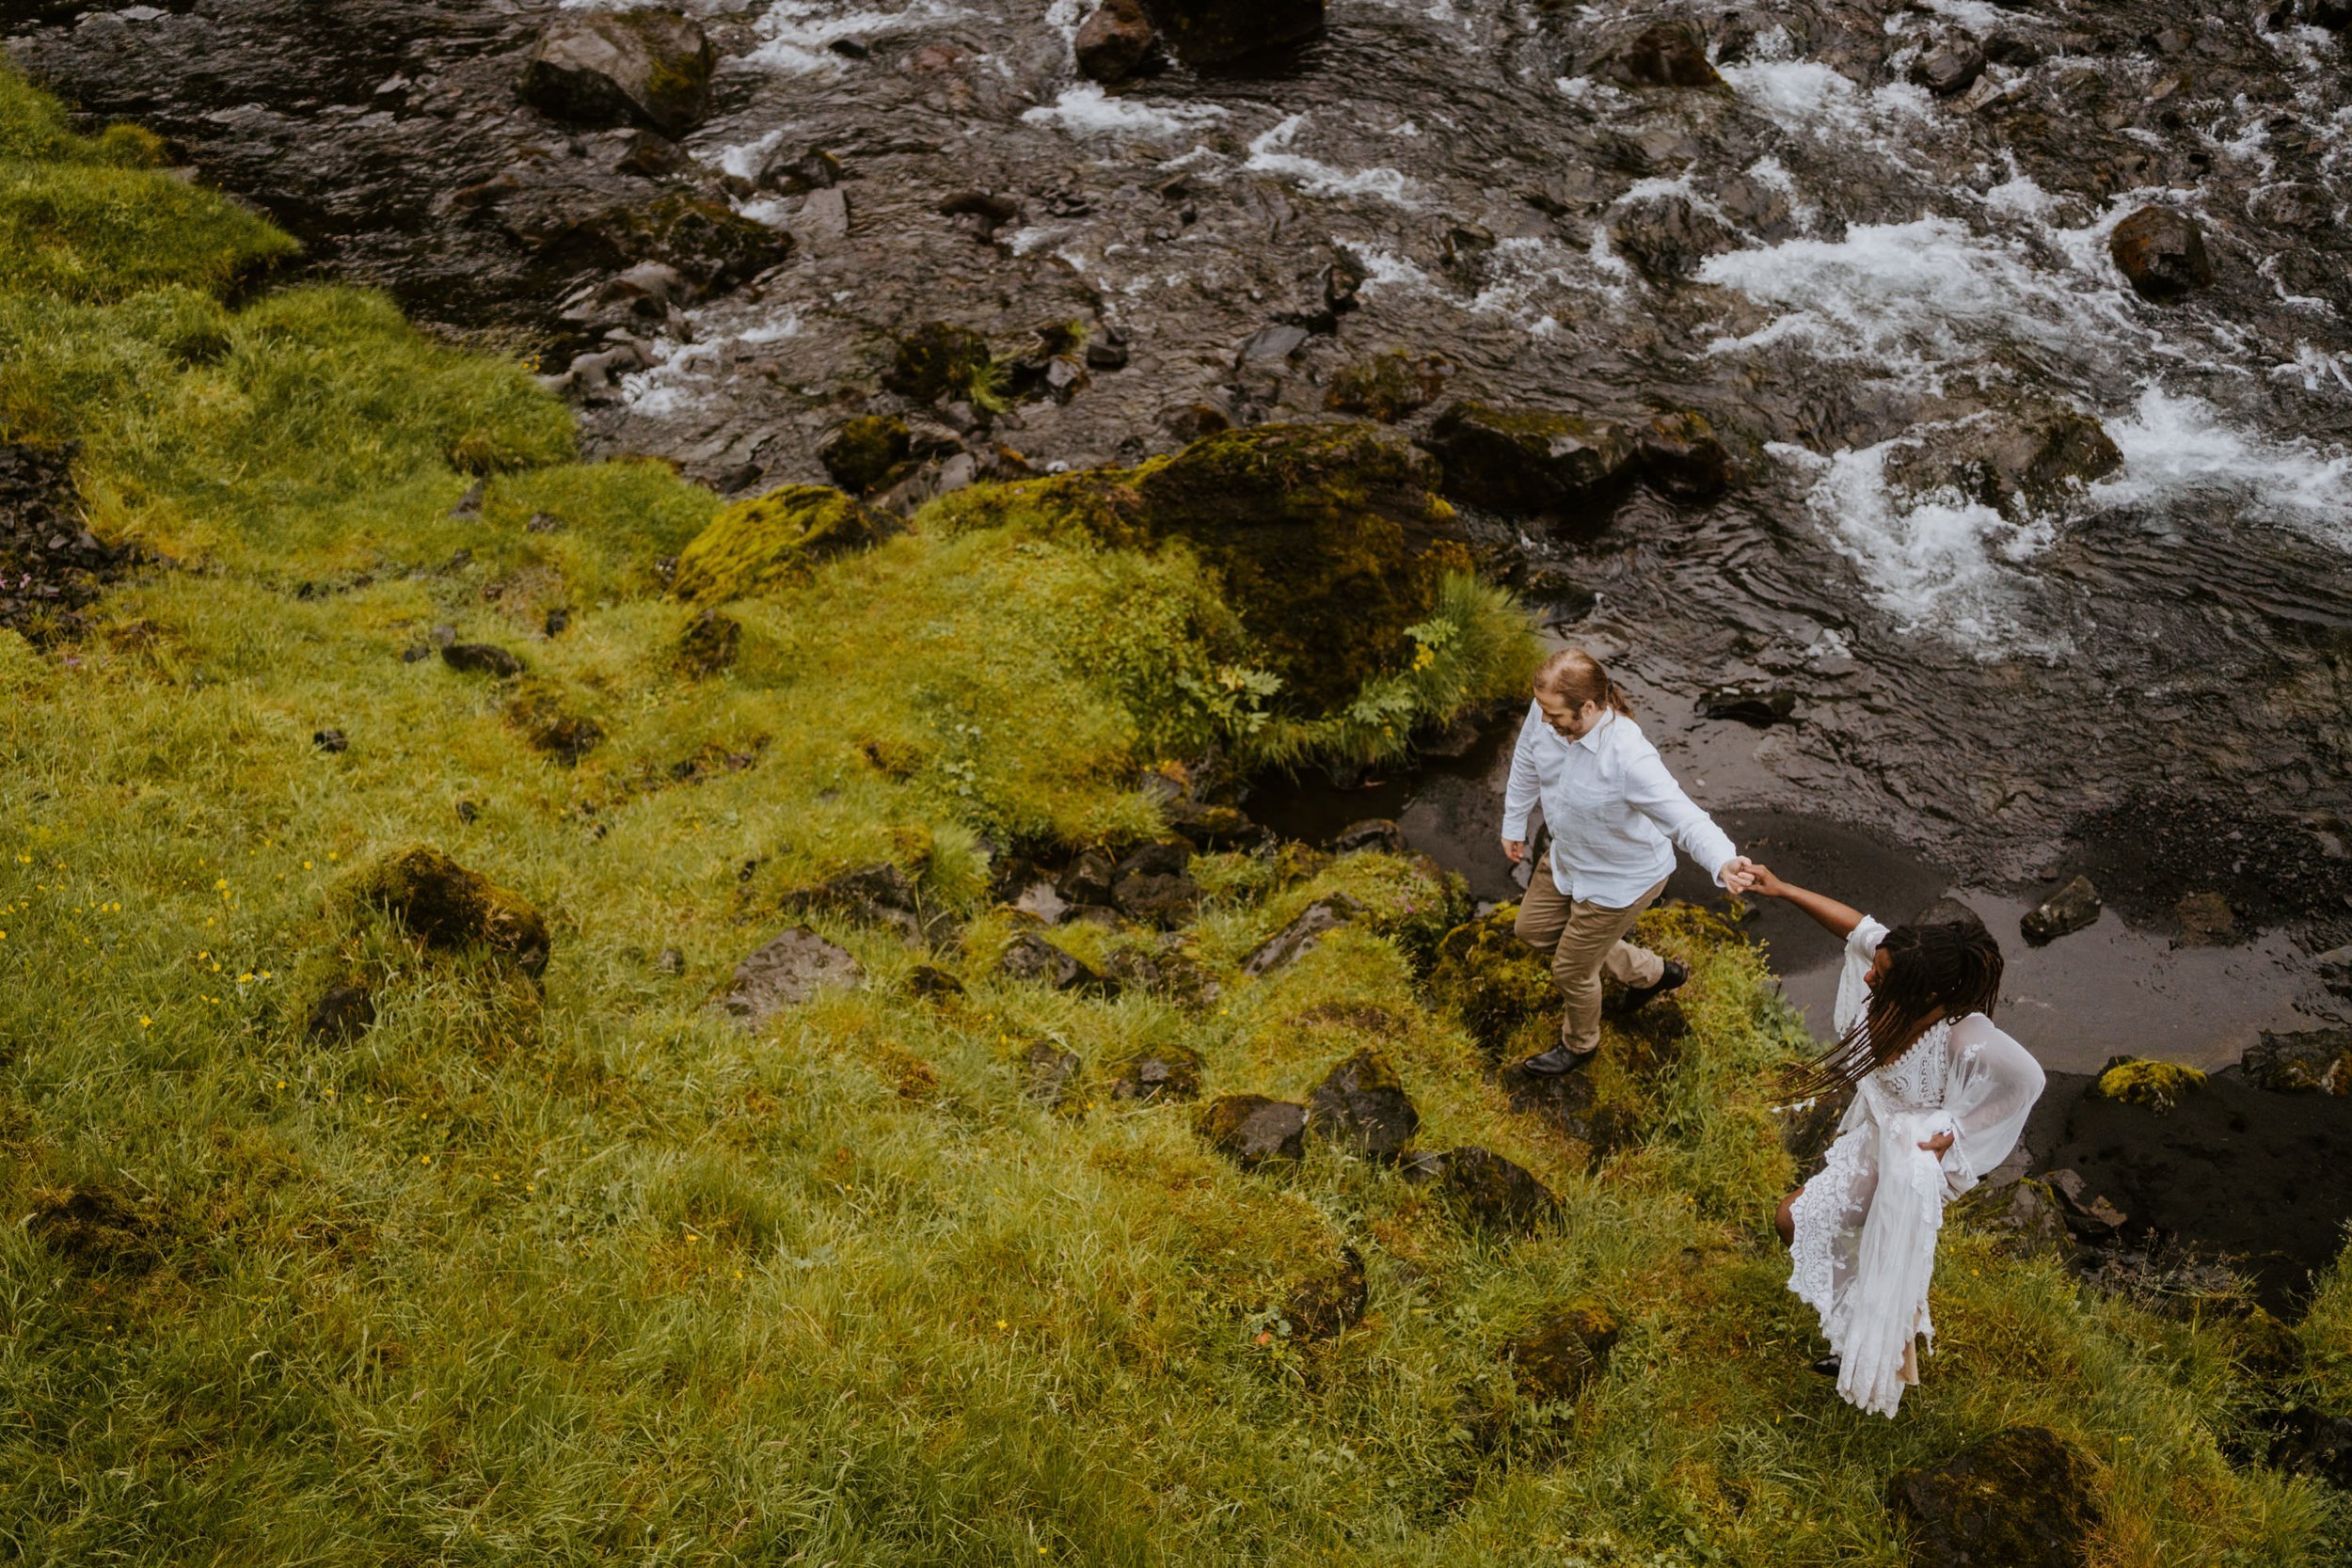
1866	1227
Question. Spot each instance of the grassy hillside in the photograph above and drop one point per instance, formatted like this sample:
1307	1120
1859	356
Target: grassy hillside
571	1269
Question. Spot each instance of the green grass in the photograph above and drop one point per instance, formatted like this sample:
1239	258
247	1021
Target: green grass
587	1274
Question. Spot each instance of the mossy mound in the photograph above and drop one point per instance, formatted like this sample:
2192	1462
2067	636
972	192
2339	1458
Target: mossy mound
774	539
1565	1349
862	451
2024	1497
1493	981
938	359
452	908
2135	1082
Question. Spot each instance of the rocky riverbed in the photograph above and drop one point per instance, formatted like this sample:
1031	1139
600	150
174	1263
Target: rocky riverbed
1984	368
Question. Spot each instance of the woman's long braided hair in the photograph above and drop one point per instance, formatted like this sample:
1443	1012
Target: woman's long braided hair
1946	969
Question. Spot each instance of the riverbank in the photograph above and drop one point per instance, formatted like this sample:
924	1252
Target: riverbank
524	1039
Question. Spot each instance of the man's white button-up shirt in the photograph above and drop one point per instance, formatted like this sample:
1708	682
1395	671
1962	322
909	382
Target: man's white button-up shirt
1614	812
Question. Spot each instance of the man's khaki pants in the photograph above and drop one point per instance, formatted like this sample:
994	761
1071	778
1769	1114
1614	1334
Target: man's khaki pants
1585	941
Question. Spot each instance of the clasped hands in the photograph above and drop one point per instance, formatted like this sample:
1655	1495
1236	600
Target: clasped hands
1737	876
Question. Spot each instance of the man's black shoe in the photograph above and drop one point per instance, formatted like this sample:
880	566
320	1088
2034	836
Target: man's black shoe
1558	1060
1635	997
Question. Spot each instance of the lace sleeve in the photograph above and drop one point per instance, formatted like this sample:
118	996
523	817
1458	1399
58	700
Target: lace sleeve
1990	1090
1853	985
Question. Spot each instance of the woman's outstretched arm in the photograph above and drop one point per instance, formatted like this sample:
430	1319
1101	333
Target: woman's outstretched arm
1838	919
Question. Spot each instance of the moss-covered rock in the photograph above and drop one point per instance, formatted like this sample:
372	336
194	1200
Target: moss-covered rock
773	540
2309	1061
1494	982
648	66
1489	1192
937	360
455	909
1566	1348
1361	1105
860	452
1561	468
1253	1130
1389	385
547	721
2024	1497
2158	1084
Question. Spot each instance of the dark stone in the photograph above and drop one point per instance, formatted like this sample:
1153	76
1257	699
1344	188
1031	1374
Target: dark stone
1170	976
2021	457
1271	343
710	644
880	894
1492	1191
790	970
1253	1130
1285	945
1362	1107
1217	32
1682	458
1566	1349
702	239
1530	463
670	961
2085	1211
452	908
2070	908
2024	1497
343	1013
926	981
860	452
797	174
1089	880
470	504
935	360
650	67
1211	826
2026	1215
1390	385
1156	899
1031	958
1950	68
1330	1302
330	740
2206	920
1669	54
1166	857
2162	253
982	212
1572	1103
1747	701
1051	1075
2311	1061
1377	833
480	659
558	621
1806	1130
2009	50
1113	42
2291	204
1170	1074
1667	236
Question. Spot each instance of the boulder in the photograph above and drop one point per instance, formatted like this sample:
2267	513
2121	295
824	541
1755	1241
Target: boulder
1089	880
1748	702
1217	32
790	970
1171	1073
451	909
1051	1075
774	539
2020	458
937	360
650	67
1284	946
1950	68
1151	884
1668	55
2159	1085
480	659
340	1014
708	645
1373	832
1492	1192
1253	1130
2310	1061
1030	958
2162	254
1682	459
1566	1348
2070	908
1387	387
1530	463
1330	540
2022	1497
1361	1106
1667	236
1113	42
861	454
1330	1301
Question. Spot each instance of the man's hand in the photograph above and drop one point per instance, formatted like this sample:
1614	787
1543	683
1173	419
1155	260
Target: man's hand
1763	883
1937	1145
1514	849
1738	874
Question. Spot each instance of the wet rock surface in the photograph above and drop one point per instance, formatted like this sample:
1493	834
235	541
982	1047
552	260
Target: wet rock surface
1285	945
646	67
2069	910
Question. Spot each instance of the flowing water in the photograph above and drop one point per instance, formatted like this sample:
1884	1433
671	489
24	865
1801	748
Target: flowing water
2149	676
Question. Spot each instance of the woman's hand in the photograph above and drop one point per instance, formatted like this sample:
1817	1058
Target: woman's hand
1514	849
1937	1145
1762	882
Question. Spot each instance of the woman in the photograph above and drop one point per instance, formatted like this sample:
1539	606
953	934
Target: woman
1615	816
1940	1097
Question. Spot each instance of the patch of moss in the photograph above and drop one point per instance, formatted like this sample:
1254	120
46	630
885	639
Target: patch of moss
1492	980
2135	1082
452	908
771	540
